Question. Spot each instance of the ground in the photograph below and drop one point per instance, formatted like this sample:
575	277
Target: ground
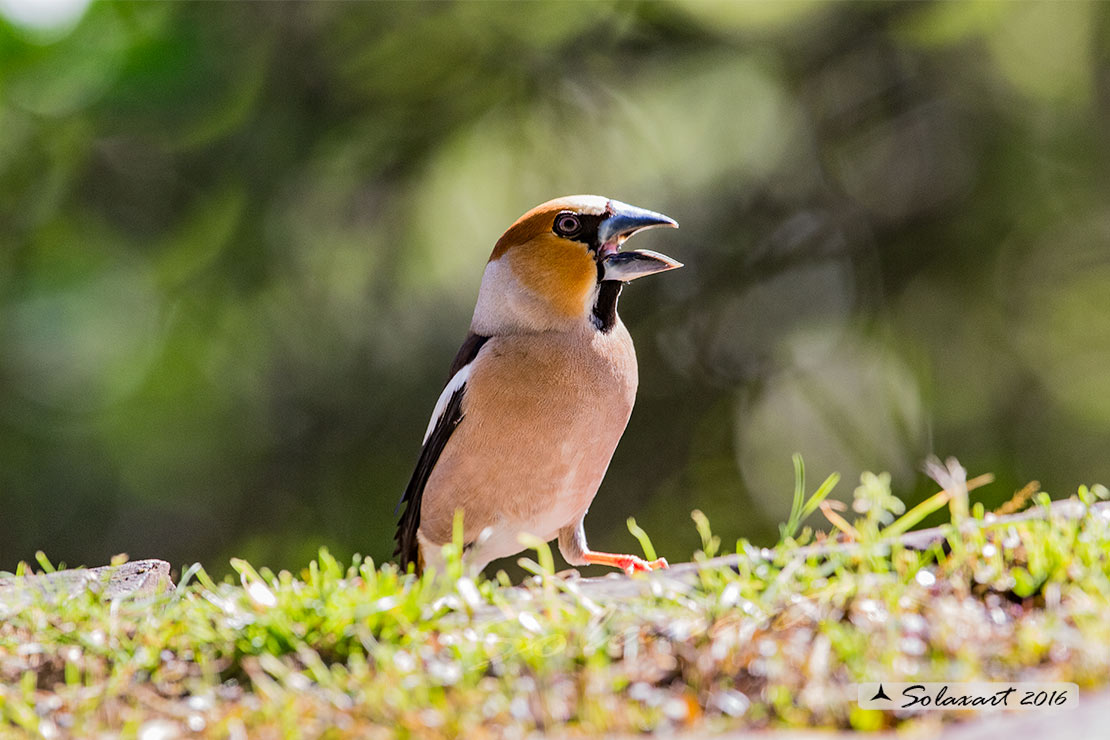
756	639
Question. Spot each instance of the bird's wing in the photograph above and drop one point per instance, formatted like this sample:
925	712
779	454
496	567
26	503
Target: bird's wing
446	416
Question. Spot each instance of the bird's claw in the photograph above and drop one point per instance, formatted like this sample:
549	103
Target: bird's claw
628	563
631	564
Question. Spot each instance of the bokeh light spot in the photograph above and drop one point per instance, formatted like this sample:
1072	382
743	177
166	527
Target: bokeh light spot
44	15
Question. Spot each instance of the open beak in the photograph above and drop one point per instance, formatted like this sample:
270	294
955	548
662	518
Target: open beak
625	221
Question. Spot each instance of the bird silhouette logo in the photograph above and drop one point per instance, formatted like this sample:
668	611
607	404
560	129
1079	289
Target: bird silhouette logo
880	694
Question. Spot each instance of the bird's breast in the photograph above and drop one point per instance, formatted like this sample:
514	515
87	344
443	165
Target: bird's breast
542	416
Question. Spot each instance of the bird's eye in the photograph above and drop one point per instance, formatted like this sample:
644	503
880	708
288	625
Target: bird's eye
567	224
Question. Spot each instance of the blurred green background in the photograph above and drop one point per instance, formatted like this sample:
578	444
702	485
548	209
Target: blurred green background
240	244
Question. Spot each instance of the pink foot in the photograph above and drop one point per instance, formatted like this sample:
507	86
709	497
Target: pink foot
628	563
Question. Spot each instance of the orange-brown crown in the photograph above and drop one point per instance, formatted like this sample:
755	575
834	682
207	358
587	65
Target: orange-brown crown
541	219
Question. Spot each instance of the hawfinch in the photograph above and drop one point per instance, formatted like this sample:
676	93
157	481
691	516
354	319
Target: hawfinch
538	395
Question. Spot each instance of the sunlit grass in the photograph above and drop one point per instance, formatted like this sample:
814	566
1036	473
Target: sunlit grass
777	640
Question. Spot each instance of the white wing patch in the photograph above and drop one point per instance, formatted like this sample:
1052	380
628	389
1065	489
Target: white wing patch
458	381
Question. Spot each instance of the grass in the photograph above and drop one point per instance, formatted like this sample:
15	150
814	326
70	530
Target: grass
358	649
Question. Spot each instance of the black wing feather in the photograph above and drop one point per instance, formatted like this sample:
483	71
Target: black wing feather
408	547
466	354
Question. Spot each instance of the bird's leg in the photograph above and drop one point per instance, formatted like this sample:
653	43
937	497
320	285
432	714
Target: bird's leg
572	544
628	563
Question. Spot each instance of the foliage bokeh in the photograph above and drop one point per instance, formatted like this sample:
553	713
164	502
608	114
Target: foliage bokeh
239	244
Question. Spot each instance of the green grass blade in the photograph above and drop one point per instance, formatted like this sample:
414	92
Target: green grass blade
44	562
795	519
913	517
819	495
645	541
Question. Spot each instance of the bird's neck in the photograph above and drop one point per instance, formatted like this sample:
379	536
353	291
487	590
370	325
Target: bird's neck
507	306
605	307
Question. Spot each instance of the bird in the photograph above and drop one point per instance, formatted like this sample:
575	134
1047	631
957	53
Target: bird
539	394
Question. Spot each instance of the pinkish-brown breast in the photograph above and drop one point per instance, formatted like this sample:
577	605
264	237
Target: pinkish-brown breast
542	416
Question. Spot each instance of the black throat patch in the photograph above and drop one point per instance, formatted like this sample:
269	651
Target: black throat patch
605	309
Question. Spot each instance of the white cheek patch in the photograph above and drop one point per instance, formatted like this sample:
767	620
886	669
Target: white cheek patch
505	306
457	382
497	285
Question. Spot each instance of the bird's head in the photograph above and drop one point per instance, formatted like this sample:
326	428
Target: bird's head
547	269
